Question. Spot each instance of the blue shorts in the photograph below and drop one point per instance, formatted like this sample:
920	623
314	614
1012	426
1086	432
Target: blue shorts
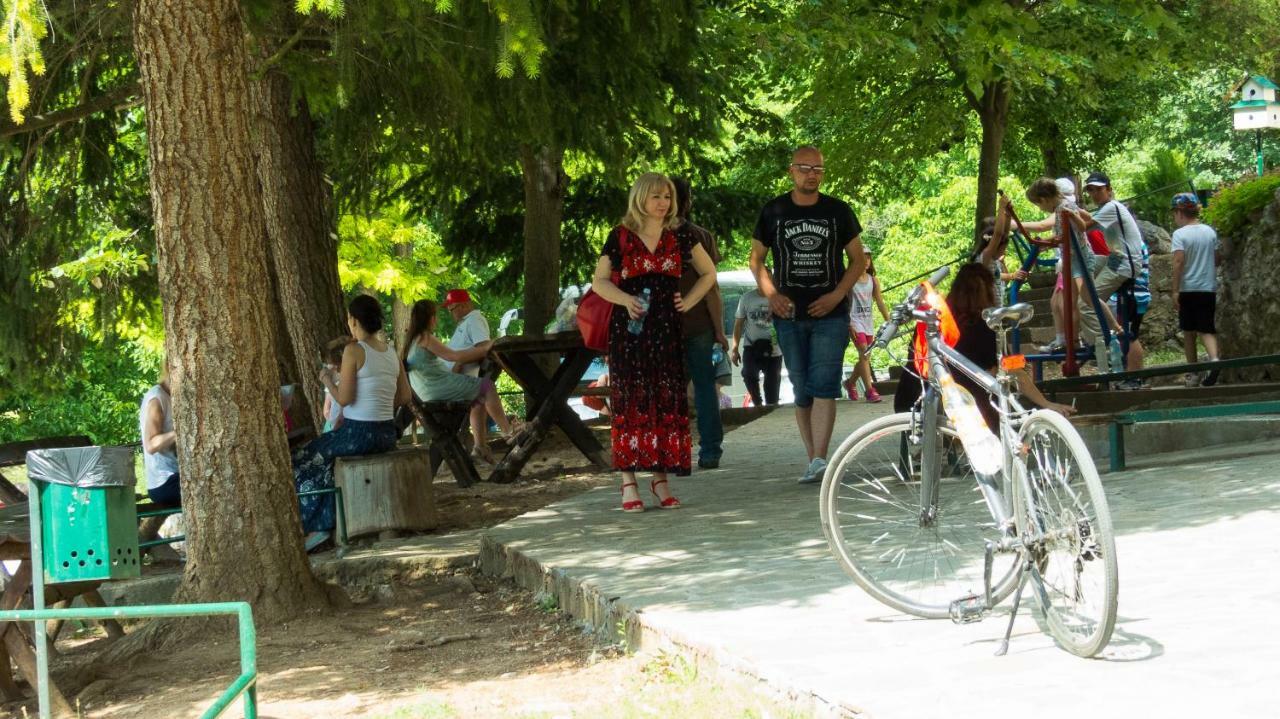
813	350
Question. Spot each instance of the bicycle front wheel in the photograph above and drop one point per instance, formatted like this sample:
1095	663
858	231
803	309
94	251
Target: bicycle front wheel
916	559
1078	575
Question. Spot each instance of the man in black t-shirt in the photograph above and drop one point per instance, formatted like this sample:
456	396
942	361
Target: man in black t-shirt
809	235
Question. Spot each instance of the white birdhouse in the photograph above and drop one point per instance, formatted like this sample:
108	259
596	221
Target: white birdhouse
1259	105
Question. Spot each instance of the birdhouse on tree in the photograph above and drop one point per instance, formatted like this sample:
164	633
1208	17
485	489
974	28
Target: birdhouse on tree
1259	104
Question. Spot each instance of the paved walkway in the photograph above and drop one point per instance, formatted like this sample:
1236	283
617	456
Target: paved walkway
743	575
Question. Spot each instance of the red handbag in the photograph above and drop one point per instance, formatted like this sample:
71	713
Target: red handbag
594	312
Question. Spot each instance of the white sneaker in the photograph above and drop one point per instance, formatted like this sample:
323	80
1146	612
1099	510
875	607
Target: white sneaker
1191	379
812	475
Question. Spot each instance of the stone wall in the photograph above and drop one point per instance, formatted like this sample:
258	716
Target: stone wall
1160	324
1248	302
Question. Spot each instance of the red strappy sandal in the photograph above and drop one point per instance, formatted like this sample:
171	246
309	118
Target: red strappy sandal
635	505
670	502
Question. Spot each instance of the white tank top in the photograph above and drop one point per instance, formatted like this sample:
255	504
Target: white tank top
375	386
158	466
860	308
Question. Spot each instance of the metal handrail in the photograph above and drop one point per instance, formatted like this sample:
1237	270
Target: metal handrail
246	684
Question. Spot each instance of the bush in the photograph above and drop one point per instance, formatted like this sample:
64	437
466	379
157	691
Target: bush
98	397
1231	209
1156	185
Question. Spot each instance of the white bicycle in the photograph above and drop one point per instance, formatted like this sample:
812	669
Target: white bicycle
933	516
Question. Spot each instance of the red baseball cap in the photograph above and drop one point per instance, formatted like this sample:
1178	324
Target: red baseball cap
456	297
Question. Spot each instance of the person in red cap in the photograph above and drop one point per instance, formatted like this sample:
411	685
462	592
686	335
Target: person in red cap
472	329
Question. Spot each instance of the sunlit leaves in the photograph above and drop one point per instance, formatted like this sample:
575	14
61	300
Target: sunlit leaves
370	257
25	25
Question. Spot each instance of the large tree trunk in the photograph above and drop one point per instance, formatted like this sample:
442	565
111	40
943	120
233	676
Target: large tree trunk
993	111
243	533
302	251
544	188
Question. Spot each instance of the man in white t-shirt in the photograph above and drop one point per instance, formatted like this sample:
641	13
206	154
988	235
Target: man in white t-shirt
472	329
1123	264
1195	284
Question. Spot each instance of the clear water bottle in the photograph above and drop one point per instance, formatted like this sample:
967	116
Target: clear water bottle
636	326
717	354
984	450
1115	356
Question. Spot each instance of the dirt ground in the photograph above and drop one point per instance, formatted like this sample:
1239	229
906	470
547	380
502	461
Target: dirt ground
452	645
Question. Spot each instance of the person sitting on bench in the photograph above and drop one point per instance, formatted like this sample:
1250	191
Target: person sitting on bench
160	443
424	355
371	386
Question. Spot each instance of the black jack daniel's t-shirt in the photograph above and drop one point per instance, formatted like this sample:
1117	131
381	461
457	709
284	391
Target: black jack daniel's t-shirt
807	244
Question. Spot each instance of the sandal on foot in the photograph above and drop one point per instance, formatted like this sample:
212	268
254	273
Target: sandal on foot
670	502
635	505
516	434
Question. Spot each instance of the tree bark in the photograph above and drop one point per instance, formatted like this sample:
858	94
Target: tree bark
993	111
243	532
545	184
300	230
399	310
1053	151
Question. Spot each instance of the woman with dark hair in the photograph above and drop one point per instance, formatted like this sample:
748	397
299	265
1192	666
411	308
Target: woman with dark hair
371	385
973	290
433	381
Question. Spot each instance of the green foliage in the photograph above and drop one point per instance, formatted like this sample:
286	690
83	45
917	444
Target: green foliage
1233	207
1157	183
26	24
394	256
99	397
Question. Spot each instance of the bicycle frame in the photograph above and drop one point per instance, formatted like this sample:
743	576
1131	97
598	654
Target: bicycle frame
940	359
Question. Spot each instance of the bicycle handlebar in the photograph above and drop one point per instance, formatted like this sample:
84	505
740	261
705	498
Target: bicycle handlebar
902	312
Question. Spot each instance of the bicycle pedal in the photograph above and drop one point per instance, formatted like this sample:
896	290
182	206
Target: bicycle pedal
968	609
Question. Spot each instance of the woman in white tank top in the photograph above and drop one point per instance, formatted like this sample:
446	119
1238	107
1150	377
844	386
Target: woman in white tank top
372	385
862	328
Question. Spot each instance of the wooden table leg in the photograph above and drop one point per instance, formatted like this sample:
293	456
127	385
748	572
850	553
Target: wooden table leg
18	646
93	599
548	406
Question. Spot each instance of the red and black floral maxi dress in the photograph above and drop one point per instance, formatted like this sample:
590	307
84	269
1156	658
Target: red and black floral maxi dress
647	376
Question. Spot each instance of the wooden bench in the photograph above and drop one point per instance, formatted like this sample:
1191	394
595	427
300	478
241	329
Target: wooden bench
387	492
1115	433
443	422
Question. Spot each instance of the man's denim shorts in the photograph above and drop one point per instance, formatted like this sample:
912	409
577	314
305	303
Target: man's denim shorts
813	350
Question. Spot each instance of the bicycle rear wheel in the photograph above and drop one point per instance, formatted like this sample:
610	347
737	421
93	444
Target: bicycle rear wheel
871	515
1078	574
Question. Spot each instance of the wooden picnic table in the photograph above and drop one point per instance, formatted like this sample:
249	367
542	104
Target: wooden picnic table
17	642
548	395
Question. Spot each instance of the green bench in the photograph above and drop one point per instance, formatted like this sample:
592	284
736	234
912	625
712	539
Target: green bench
1120	421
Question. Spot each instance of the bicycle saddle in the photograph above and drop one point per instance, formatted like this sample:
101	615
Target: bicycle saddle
1012	316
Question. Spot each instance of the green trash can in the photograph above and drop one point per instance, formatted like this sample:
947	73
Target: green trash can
89	521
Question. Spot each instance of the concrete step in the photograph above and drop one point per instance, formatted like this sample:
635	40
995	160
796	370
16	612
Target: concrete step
1028	294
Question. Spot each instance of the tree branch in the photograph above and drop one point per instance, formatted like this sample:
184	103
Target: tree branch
127	96
954	64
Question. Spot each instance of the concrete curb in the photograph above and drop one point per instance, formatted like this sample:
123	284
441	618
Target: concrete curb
613	619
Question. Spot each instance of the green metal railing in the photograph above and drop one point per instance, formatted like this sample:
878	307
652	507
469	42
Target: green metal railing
246	684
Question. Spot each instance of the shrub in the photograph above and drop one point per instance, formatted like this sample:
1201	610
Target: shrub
1231	208
1157	184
